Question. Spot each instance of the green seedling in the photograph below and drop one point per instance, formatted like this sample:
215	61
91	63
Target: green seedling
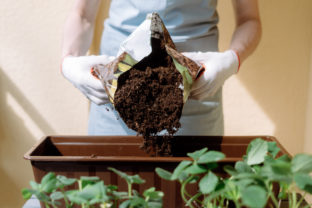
92	192
250	183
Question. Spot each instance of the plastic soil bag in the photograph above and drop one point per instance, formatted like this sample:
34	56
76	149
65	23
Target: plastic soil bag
149	82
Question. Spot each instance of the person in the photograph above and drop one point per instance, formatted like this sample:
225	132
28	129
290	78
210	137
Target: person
192	26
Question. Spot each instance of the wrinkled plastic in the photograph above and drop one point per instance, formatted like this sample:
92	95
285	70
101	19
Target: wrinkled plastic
150	41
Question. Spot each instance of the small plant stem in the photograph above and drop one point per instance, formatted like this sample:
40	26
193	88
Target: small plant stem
301	200
46	205
65	197
83	205
129	189
182	190
289	200
237	205
294	199
189	195
275	202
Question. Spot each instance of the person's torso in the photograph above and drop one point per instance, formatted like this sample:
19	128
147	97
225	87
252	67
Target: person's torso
192	26
191	23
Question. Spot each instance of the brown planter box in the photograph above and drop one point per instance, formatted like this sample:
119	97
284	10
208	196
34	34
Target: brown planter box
75	156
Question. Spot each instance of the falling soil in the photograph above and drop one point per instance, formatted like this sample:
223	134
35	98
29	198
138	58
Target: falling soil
150	101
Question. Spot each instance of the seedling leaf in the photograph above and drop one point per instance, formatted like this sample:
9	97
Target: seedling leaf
254	196
208	183
304	182
56	195
27	193
210	156
64	181
195	169
47	178
125	204
164	174
302	163
151	193
34	185
195	155
242	167
177	171
257	150
230	170
273	149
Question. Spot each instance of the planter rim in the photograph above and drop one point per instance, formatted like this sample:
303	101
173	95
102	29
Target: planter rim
131	140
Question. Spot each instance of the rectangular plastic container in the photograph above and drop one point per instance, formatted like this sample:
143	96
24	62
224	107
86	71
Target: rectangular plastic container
75	156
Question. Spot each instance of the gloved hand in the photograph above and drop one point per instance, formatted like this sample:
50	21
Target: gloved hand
77	70
219	66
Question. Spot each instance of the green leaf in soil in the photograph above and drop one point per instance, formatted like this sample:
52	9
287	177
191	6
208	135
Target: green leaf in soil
56	195
183	176
153	194
154	204
230	170
64	181
273	149
256	151
125	204
136	179
208	183
211	166
27	193
130	179
284	158
177	171
137	201
195	155
93	193
210	156
120	195
284	187
164	174
254	196
243	183
277	171
302	163
111	188
195	169
303	181
73	196
242	167
194	179
40	195
47	178
88	180
34	185
49	186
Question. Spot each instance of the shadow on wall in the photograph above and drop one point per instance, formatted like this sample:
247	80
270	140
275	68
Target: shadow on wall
15	139
277	76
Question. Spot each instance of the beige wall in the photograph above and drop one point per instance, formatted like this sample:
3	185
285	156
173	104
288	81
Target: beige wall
269	96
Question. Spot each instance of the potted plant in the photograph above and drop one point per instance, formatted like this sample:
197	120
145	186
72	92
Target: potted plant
250	182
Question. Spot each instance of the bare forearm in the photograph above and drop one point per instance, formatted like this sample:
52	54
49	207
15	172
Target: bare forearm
248	27
78	30
245	38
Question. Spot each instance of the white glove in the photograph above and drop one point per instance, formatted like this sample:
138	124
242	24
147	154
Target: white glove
219	66
77	70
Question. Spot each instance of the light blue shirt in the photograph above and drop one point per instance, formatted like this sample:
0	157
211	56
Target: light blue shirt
192	25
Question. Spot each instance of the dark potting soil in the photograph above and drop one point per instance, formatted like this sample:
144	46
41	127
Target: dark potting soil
151	101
